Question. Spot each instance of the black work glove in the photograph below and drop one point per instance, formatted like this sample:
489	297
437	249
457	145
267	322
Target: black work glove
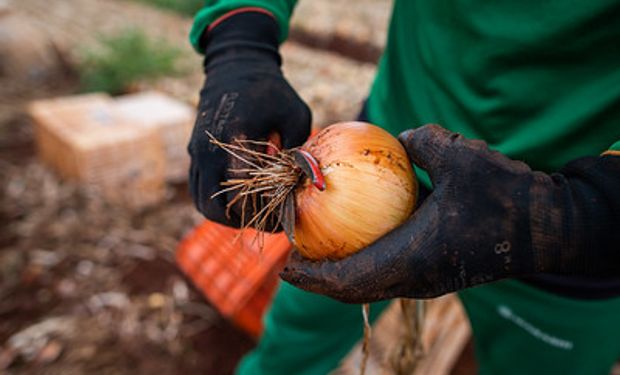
245	96
488	218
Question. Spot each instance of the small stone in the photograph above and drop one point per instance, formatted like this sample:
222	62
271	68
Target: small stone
66	288
180	291
141	252
85	268
50	352
108	299
45	258
157	300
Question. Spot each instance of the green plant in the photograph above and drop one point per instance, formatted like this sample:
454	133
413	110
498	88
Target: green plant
125	58
186	7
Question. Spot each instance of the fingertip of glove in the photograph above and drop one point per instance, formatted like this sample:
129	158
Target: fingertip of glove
298	271
418	137
285	274
406	136
291	276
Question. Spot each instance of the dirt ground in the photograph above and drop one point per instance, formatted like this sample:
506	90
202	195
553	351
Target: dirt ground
86	287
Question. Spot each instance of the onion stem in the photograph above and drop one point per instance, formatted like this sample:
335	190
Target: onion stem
367	334
410	350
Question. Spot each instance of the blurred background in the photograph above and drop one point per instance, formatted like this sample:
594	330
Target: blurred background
97	100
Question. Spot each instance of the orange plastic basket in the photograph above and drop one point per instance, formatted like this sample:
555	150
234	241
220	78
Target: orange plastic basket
233	273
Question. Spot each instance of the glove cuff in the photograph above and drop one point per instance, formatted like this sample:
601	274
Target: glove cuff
576	230
244	34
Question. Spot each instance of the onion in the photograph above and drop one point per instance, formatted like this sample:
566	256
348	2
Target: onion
370	190
367	187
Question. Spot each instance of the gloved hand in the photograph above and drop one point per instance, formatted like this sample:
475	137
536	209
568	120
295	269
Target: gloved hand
488	218
245	96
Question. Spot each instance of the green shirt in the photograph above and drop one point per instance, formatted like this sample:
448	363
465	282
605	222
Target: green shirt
538	80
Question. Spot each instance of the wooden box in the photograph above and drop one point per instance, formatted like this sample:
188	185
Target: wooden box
84	139
445	332
172	119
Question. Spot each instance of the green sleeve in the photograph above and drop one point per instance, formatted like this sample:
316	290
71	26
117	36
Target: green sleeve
615	147
281	9
613	150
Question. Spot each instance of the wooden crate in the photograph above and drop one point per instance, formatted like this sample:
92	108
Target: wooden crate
445	333
85	140
171	118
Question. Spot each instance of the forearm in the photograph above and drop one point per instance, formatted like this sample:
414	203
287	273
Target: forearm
281	10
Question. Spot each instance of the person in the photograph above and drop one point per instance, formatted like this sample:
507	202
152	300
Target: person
522	178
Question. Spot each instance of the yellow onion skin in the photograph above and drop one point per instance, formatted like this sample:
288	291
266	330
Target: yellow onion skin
370	189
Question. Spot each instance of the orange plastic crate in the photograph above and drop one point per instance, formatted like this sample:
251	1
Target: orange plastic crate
233	273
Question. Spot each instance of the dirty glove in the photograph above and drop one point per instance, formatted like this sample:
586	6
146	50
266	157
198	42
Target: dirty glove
488	218
245	96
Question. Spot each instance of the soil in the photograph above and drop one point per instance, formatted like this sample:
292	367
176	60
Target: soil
87	287
107	273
